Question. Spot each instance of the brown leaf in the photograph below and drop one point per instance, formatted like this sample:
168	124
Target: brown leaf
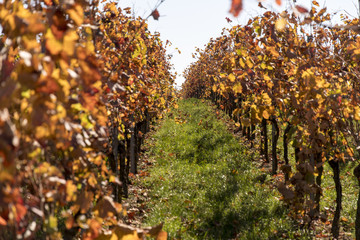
47	85
84	201
261	6
155	14
236	7
287	193
123	231
301	9
106	207
154	231
58	24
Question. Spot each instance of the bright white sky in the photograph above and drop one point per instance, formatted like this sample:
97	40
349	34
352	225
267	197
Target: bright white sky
191	23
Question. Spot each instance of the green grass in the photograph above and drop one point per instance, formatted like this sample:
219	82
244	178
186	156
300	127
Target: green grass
204	184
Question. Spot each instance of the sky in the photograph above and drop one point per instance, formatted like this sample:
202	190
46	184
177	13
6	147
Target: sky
191	23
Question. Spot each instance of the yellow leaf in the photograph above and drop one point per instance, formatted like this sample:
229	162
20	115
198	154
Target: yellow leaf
237	88
242	63
273	51
35	153
76	14
89	44
357	113
65	86
266	99
249	63
61	111
41	132
232	77
280	24
70	39
52	44
52	222
222	87
214	88
70	191
263	65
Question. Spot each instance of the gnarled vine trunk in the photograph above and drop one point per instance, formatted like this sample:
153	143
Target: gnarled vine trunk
357	221
336	221
286	150
265	139
275	137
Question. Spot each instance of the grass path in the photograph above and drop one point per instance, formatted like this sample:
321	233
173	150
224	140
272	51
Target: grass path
203	184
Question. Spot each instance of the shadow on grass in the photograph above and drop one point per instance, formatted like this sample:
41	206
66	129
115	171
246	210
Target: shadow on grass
239	209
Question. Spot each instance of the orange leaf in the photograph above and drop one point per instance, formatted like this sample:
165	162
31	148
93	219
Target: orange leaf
236	7
2	221
20	211
48	2
162	236
278	2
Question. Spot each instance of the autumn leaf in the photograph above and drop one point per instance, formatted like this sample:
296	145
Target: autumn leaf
301	9
162	236
232	77
155	14
278	2
265	114
48	2
59	24
106	207
236	7
237	88
20	211
76	13
315	3
287	193
2	221
280	24
53	45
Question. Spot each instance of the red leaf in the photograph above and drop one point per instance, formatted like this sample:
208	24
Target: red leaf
47	85
20	211
228	20
155	14
2	221
236	7
301	9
